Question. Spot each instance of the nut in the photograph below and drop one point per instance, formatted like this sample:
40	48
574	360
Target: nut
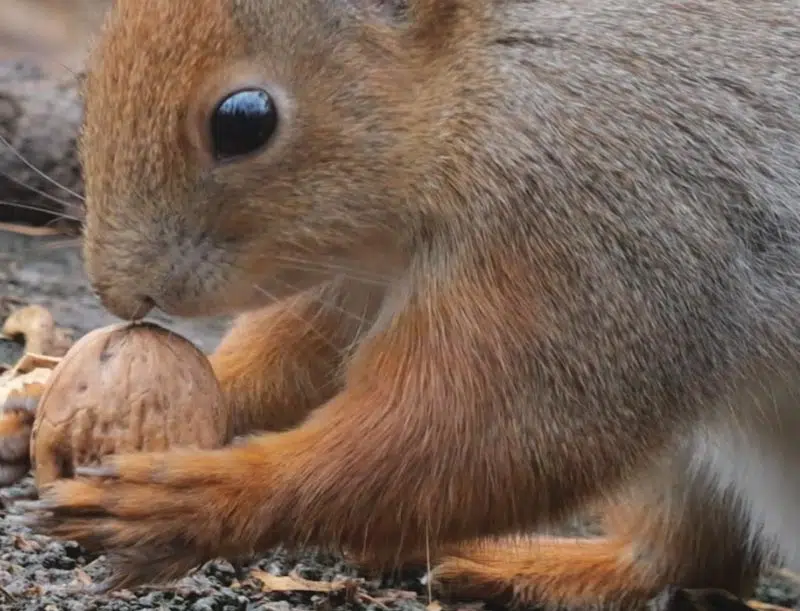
127	387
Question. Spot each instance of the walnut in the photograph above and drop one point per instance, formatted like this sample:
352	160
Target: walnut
125	388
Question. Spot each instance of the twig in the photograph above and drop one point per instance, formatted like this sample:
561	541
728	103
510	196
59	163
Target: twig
760	606
364	597
30	231
787	574
6	594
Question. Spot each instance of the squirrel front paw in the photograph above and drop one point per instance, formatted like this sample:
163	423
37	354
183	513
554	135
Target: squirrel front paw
155	515
16	421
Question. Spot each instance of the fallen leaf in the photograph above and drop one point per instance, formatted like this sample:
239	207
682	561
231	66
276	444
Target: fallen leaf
433	606
82	577
30	384
294	583
31	361
760	606
30	231
25	545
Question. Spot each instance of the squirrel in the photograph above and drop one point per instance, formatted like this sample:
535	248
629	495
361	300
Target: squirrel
494	262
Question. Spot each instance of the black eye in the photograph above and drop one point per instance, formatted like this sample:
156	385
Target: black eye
242	123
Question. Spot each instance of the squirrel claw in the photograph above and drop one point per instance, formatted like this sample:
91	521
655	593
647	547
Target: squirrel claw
106	471
151	526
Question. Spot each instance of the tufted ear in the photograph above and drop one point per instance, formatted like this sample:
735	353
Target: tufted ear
420	11
396	9
430	19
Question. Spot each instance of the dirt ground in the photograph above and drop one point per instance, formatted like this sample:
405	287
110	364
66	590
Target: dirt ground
38	574
58	30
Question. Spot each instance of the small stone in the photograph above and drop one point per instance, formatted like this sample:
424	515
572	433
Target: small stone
72	549
204	604
222	570
57	561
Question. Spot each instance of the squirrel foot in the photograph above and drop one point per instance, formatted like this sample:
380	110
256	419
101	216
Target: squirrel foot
569	573
560	571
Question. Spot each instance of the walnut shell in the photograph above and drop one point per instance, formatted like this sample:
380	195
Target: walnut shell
125	388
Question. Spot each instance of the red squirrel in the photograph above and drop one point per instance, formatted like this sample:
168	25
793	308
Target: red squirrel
495	261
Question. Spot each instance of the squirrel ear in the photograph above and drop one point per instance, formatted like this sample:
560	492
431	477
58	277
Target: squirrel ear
430	20
437	21
398	9
422	12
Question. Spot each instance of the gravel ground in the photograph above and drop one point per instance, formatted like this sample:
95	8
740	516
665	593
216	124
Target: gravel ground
39	574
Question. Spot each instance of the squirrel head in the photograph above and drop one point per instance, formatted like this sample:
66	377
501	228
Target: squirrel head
234	151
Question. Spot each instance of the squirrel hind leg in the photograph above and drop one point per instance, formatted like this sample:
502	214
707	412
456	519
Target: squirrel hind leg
672	531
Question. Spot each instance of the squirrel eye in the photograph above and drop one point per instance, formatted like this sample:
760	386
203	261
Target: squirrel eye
242	123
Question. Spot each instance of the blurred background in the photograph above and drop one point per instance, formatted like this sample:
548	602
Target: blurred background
53	29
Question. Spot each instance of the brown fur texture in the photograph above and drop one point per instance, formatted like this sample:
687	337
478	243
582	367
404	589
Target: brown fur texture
502	259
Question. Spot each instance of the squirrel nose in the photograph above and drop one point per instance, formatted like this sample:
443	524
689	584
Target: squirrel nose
126	308
146	304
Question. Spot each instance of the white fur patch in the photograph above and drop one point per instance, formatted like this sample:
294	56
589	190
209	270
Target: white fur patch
756	451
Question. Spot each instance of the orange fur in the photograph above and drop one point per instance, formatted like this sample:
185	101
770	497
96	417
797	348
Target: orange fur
16	422
13	421
273	380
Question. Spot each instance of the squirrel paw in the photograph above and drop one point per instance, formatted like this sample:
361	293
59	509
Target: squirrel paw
558	572
575	573
16	420
155	515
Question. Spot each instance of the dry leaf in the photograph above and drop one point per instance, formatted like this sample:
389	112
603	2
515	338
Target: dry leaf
31	361
82	577
30	384
760	606
26	545
433	606
36	324
30	231
294	583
